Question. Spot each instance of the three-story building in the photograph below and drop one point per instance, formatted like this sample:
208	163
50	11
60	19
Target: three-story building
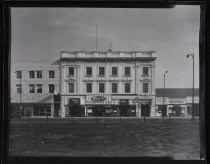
107	83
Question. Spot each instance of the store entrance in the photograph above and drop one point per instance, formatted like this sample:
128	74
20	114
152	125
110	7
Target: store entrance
75	111
177	110
98	111
145	110
124	110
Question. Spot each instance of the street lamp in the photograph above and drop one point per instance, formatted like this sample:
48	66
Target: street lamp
20	93
164	78
192	55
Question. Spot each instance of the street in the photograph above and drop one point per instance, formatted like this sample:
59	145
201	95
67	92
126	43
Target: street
105	137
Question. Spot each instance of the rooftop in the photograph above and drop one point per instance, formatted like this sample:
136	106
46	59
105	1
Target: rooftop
109	54
176	92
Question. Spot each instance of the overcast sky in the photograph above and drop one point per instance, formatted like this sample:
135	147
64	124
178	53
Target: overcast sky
41	33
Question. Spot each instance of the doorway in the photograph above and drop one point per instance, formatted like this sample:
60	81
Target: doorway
145	110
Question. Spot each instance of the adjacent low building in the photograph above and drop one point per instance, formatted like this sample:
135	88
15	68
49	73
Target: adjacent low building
32	89
178	102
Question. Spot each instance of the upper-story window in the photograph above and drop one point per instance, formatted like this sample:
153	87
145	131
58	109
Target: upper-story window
145	71
88	71
71	71
101	87
51	74
114	71
18	74
39	74
51	88
127	87
19	88
31	74
71	88
127	71
114	87
88	87
39	88
145	87
101	71
31	88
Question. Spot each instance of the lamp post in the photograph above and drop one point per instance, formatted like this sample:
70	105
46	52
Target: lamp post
20	94
192	55
164	78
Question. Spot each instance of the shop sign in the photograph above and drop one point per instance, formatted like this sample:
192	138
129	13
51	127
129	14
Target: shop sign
176	101
98	98
74	101
189	99
124	102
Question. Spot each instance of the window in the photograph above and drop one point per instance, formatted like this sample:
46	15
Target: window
39	88
71	87
88	71
51	74
127	71
18	74
114	71
145	87
51	88
114	87
89	87
39	74
31	88
127	87
71	71
19	88
31	74
101	87
42	111
145	71
101	71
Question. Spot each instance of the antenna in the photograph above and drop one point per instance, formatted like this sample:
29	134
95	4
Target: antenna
110	47
96	37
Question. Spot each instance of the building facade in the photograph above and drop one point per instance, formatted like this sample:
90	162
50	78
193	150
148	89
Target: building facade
178	102
107	83
32	89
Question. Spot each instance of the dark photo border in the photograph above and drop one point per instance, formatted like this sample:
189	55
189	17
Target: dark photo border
204	66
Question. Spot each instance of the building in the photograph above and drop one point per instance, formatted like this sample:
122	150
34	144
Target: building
32	89
178	102
107	83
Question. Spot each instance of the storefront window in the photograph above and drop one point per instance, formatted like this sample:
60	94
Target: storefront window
42	111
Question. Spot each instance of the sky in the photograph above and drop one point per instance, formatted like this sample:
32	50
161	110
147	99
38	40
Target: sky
39	34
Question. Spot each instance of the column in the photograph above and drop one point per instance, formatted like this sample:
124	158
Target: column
63	110
85	110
